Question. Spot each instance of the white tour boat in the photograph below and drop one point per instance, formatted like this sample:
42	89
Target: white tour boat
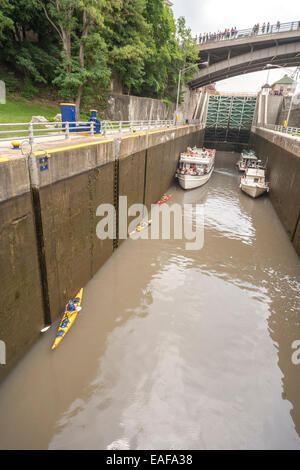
254	183
195	167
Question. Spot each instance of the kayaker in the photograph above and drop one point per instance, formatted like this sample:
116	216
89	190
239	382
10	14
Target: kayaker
70	306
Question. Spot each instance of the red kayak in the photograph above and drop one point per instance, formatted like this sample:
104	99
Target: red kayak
164	199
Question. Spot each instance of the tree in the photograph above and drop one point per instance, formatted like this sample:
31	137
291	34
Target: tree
77	23
5	20
76	44
24	49
126	32
163	47
188	51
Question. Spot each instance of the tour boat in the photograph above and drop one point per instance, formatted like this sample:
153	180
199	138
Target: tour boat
195	167
247	159
254	183
71	311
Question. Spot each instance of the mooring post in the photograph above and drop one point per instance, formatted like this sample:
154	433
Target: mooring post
67	133
31	137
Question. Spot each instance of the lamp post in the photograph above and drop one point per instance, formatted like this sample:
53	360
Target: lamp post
182	71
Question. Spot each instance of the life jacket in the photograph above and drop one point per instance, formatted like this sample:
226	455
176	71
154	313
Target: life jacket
70	308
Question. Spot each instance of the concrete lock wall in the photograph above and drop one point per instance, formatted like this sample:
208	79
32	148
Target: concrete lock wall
294	118
49	246
21	304
267	109
283	153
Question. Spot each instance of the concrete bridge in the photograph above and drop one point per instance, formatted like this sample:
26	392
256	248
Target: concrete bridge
245	52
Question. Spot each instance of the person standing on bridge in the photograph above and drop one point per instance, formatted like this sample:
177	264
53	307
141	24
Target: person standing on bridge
278	25
263	28
268	26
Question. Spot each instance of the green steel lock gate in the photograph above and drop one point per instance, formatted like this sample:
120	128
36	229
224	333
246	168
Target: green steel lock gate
229	118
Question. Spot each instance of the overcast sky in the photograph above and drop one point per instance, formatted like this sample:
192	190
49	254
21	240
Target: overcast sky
204	16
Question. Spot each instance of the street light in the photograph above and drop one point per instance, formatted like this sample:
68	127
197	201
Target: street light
182	71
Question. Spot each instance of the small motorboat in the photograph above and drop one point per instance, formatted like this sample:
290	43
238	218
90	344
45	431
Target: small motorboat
254	182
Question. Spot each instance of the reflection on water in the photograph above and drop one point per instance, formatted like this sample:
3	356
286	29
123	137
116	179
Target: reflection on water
174	349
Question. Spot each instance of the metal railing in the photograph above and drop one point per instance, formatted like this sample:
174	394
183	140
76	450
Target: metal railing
32	132
294	131
250	32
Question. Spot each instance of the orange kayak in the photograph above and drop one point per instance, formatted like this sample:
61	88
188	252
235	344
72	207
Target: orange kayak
164	199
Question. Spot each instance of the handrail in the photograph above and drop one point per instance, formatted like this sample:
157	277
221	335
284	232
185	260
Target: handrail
238	34
34	130
294	131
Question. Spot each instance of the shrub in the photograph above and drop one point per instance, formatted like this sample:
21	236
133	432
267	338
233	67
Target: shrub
28	90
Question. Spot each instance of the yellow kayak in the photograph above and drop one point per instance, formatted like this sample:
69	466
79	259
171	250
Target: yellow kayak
68	318
140	227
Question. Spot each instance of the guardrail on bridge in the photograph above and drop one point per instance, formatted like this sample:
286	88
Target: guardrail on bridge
261	30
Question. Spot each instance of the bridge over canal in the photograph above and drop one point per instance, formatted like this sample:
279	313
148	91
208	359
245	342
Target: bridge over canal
245	52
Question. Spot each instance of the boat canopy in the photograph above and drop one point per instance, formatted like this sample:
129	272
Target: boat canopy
255	172
194	159
249	157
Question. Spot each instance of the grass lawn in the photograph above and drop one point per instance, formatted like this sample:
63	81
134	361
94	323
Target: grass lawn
21	110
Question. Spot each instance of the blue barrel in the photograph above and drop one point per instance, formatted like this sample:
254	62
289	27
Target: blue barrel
68	114
97	123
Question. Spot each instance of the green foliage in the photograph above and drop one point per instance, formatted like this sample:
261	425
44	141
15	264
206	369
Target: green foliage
125	30
12	84
167	102
28	90
75	45
5	21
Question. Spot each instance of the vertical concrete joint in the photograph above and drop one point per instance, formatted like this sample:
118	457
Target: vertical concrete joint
36	203
117	144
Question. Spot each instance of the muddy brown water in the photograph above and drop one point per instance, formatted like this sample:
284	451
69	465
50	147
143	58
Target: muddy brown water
174	349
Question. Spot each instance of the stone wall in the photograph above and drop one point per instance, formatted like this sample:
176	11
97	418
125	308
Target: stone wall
134	108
